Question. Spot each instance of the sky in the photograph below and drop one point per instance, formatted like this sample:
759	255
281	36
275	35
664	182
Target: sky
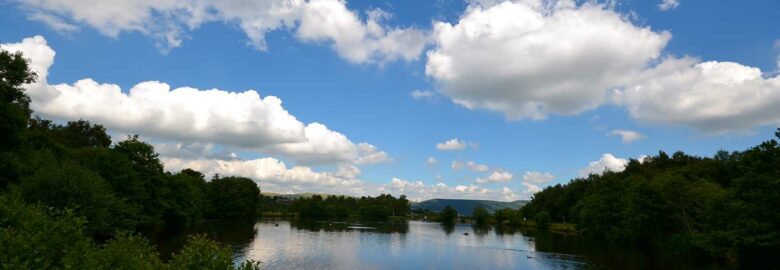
431	99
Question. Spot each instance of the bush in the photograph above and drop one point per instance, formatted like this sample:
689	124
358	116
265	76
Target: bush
202	253
542	220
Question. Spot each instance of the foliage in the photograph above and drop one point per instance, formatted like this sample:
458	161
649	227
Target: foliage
480	215
725	205
69	186
542	220
232	197
14	104
448	215
339	207
202	253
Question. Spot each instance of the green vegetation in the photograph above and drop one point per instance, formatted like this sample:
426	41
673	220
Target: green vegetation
725	206
71	199
341	207
480	216
448	215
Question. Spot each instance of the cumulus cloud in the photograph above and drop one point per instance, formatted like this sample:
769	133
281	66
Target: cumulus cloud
457	165
417	191
454	144
369	154
477	167
537	178
471	165
711	96
607	162
193	151
498	176
430	161
273	174
530	189
527	59
668	4
238	119
626	136
169	22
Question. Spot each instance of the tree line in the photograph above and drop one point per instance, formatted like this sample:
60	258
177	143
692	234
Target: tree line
341	207
725	206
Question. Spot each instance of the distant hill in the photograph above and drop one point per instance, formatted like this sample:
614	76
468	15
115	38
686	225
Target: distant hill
465	207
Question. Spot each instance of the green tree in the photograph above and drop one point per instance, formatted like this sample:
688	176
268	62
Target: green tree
480	215
202	253
542	220
14	104
31	238
232	197
69	186
448	215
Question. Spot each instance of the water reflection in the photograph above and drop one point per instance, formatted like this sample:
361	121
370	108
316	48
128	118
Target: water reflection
236	234
305	244
308	244
400	226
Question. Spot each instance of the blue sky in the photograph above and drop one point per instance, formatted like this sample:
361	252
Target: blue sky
506	103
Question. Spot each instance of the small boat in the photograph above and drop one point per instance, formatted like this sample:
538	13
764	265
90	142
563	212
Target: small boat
465	233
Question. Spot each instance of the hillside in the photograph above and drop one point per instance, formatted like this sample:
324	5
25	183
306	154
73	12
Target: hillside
465	207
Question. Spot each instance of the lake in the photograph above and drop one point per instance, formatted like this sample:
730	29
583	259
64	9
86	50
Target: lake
295	244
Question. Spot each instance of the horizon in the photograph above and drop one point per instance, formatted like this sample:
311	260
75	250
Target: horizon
405	97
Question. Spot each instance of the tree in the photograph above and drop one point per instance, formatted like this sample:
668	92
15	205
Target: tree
232	197
69	186
83	134
448	215
14	104
481	215
542	220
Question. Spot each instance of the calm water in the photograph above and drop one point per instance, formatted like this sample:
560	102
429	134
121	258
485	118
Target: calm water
416	245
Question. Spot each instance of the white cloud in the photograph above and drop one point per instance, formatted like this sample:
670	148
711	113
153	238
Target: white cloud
430	161
357	41
56	23
273	174
529	60
471	165
369	154
417	191
454	144
185	114
457	165
498	176
169	21
193	151
531	189
626	136
668	4
509	195
477	167
713	97
422	94
402	186
537	177
607	162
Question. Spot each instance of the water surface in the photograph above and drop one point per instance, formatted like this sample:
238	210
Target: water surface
284	244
